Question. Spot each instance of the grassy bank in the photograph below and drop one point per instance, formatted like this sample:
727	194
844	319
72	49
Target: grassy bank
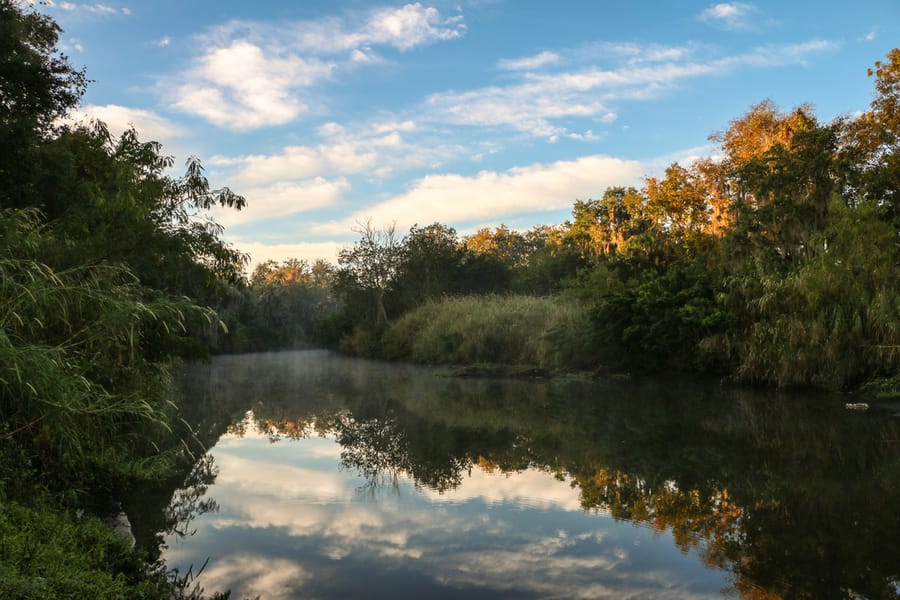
545	333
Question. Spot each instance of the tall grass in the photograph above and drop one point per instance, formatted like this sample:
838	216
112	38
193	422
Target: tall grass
547	333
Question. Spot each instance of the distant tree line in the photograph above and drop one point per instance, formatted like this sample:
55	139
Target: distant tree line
774	263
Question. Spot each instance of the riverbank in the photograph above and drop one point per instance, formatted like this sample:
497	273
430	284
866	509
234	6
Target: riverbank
550	336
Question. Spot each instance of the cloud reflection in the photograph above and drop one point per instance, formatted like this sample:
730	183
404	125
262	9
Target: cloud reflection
521	534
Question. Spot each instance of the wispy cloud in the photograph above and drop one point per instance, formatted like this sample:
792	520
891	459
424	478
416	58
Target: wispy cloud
529	63
541	100
376	150
407	27
250	75
72	45
733	16
282	199
82	7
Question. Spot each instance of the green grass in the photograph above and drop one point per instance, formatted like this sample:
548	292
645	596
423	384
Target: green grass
47	554
542	332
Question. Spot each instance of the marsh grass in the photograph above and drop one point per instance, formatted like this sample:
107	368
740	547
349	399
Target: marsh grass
544	332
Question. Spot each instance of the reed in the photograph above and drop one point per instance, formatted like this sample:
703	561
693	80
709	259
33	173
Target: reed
542	332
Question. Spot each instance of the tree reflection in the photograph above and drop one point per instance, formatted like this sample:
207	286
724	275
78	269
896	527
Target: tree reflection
793	499
189	501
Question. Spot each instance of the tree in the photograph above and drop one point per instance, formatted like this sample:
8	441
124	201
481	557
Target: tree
37	86
370	267
792	184
431	264
286	302
872	141
605	227
677	204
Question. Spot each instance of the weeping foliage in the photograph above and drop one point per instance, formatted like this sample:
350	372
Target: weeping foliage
831	323
78	385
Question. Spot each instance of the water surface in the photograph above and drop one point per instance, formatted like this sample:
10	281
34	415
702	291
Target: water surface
330	477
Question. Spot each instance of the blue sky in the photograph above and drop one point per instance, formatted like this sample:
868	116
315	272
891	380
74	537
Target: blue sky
472	113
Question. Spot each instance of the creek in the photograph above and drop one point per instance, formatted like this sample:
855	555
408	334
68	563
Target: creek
331	477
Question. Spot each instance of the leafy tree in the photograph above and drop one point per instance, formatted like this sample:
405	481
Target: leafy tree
285	302
605	227
792	185
677	204
872	140
431	264
37	86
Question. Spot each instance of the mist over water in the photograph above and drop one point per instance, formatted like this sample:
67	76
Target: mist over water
330	477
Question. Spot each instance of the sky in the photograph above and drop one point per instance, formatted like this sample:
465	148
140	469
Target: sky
473	113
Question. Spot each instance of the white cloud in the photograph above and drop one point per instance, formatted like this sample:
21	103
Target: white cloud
489	195
870	37
530	62
163	41
633	53
96	9
252	75
281	199
732	16
528	107
243	86
376	149
149	125
72	45
409	26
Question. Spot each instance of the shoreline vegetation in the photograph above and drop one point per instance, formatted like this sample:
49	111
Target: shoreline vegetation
774	264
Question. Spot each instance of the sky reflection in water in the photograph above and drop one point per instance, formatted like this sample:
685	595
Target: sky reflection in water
295	522
341	478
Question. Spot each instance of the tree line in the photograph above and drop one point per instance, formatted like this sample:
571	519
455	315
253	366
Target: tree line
773	262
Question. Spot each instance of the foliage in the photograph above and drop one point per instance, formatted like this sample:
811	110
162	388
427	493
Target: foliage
872	141
52	555
832	323
37	85
82	388
108	270
367	271
659	322
509	330
285	306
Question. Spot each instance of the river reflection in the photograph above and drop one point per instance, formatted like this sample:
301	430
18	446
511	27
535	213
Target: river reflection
340	478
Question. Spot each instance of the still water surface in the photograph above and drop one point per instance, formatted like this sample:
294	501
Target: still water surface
330	477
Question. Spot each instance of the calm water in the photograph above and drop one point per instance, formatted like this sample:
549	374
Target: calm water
330	477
